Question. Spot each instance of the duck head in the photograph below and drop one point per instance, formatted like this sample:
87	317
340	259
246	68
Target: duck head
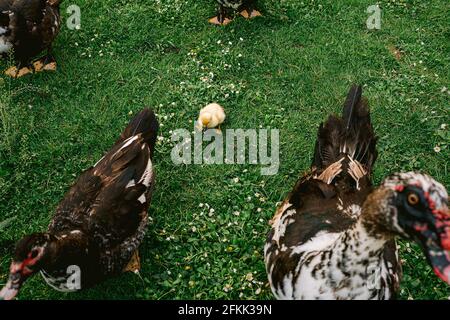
205	119
30	255
417	209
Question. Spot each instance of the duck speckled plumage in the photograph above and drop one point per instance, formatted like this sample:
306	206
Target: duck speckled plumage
29	27
101	221
234	4
334	235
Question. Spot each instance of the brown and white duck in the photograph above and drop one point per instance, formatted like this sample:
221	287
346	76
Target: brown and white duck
334	235
28	28
246	8
100	223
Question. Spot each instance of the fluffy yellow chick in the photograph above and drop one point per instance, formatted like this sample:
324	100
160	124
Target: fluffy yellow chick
211	116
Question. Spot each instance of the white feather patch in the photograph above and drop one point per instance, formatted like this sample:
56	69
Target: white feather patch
128	142
147	175
321	241
142	198
5	45
130	184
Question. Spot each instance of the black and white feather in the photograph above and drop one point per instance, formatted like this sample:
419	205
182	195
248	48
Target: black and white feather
317	248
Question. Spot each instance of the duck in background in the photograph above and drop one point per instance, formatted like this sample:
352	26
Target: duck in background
246	8
334	235
101	221
28	28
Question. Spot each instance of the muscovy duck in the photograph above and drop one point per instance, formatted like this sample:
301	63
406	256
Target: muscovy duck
28	27
100	223
245	7
334	235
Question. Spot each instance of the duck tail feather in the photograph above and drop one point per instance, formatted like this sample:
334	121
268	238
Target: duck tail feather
351	134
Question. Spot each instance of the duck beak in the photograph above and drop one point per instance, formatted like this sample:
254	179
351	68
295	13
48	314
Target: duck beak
17	276
11	289
438	252
440	261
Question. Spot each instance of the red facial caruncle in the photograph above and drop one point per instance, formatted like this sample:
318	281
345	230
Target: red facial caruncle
23	267
442	221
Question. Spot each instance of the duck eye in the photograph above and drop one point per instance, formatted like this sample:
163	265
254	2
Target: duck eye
34	253
413	199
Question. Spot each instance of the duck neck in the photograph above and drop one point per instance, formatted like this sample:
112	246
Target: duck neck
360	249
356	263
359	243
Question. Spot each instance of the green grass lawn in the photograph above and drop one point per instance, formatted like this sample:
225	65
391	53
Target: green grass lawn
286	70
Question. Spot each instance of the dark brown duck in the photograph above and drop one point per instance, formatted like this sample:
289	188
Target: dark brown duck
28	28
100	223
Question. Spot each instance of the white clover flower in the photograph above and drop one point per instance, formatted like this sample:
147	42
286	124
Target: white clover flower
437	149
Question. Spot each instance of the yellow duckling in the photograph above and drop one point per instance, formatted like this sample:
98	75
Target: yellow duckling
211	116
